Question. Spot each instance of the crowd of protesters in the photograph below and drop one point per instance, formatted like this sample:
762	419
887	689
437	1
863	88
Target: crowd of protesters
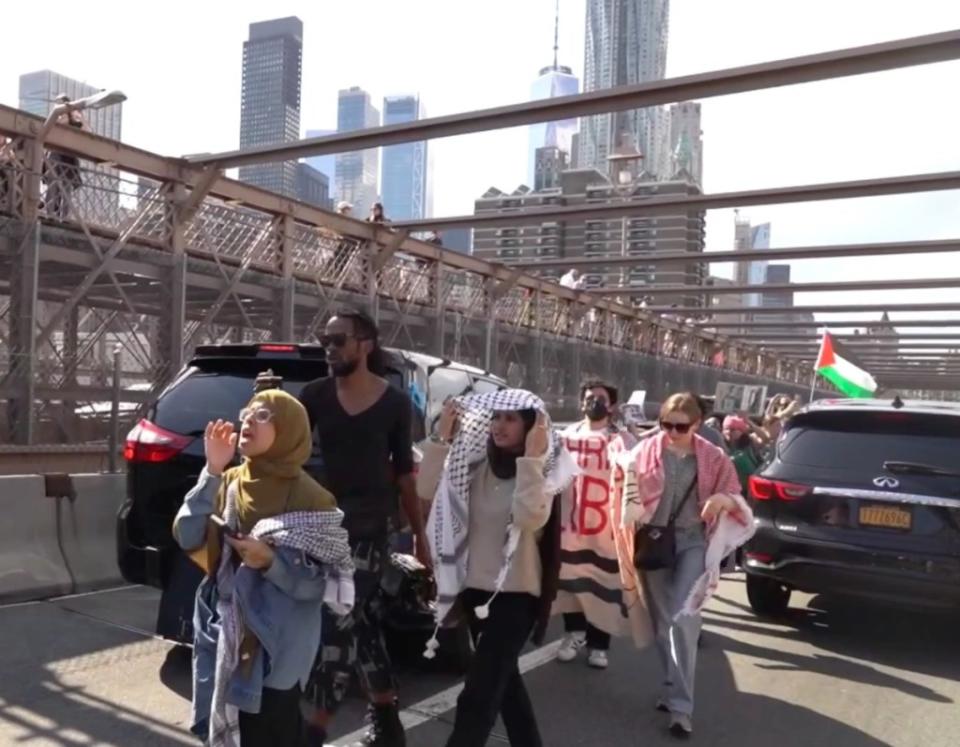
622	533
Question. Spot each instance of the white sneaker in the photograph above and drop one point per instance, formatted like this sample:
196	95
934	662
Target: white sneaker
572	643
681	725
598	659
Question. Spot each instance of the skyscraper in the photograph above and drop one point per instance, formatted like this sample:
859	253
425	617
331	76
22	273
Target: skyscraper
642	236
356	178
326	165
38	91
625	43
313	187
406	178
686	141
748	237
270	99
555	80
550	162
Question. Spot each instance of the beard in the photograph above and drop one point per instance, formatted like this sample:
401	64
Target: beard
344	368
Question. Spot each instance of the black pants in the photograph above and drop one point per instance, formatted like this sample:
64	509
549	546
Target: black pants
576	622
493	683
279	723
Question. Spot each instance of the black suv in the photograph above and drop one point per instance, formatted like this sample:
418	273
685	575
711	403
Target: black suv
164	451
862	498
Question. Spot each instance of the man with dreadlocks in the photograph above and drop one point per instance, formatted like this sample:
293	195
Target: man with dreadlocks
495	470
362	427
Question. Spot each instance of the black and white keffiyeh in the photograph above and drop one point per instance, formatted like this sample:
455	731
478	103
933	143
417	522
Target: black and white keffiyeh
449	515
317	534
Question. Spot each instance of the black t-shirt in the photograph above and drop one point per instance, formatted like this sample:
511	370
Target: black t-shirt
362	454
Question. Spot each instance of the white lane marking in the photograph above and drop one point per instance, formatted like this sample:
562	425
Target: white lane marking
445	700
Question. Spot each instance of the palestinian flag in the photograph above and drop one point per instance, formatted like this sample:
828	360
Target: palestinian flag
841	372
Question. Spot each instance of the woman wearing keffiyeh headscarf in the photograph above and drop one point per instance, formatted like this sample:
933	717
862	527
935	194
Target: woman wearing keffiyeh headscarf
494	470
283	554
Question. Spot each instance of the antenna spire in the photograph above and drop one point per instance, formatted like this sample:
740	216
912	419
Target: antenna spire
556	34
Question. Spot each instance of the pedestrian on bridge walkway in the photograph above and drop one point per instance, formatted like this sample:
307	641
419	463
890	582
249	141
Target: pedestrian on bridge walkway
680	514
495	471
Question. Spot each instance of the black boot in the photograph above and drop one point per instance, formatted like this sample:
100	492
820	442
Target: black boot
385	727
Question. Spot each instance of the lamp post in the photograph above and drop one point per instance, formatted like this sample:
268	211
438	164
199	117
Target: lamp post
25	305
96	101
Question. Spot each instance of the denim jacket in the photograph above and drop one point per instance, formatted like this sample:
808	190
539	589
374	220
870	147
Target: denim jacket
281	607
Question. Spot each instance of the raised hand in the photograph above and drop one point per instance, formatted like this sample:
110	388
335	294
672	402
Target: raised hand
449	421
219	445
538	438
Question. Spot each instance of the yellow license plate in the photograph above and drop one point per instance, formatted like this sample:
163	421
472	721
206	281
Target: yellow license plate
886	516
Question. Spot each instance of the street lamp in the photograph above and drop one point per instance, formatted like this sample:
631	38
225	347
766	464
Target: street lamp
96	101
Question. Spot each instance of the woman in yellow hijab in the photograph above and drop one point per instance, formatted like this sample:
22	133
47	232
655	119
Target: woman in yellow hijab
258	614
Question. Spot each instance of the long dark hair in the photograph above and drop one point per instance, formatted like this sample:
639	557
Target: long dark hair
366	329
503	463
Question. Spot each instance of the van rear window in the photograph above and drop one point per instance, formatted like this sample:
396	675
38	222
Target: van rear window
200	397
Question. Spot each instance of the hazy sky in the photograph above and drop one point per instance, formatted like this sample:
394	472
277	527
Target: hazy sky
180	64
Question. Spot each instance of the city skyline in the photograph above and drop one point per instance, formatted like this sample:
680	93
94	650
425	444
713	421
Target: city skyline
828	131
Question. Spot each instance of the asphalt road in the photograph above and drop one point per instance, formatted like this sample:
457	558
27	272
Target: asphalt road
85	671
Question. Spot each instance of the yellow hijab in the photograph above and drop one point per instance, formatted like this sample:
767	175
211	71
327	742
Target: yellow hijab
274	482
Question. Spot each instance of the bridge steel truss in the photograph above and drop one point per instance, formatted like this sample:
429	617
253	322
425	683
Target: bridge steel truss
155	257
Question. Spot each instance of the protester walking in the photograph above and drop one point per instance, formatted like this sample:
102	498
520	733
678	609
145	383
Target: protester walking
495	470
742	445
363	431
271	542
680	514
589	594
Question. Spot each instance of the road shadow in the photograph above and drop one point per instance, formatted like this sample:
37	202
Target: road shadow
55	647
176	672
580	707
911	640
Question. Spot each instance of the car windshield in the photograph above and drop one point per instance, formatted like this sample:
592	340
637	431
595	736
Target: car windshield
864	441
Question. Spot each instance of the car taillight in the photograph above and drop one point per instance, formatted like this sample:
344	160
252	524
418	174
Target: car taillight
274	348
149	443
762	489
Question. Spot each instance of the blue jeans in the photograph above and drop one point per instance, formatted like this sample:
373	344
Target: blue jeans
676	640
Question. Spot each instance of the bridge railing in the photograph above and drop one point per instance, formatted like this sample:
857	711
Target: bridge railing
255	266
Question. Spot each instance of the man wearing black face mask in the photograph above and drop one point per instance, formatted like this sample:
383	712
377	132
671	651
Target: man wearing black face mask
589	589
362	425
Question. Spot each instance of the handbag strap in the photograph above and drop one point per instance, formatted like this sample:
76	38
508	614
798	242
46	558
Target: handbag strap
686	497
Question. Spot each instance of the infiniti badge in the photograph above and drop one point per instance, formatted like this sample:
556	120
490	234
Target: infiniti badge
886	482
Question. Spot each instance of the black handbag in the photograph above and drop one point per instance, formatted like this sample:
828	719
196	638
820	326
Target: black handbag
655	547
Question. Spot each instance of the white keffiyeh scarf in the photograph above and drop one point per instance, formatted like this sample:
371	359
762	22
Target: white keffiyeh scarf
449	515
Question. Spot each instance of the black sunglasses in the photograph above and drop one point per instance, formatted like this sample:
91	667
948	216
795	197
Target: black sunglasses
681	428
337	339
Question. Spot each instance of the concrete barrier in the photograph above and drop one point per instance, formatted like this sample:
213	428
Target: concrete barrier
89	536
31	560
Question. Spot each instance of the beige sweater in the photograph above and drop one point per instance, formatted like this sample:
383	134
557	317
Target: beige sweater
491	502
